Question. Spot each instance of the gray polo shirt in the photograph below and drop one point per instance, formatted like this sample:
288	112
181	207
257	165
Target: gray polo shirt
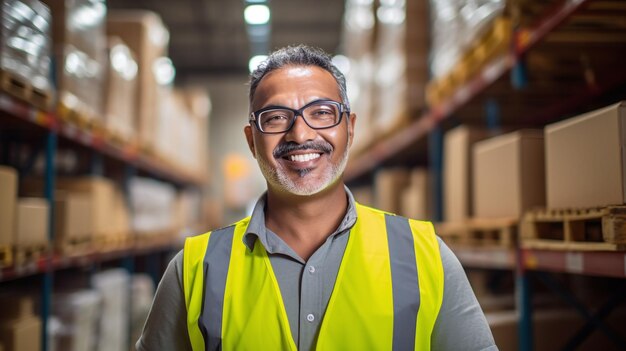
306	287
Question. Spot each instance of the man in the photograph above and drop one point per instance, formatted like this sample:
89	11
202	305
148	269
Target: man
311	268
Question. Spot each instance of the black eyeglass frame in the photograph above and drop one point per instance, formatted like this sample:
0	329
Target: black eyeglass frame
254	116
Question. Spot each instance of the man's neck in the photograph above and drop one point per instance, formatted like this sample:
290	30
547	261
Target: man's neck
304	222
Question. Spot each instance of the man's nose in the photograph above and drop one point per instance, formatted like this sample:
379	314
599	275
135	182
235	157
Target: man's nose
300	132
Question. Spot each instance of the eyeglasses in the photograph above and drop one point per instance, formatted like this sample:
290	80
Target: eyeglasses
319	114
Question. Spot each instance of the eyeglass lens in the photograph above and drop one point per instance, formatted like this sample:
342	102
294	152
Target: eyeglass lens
319	115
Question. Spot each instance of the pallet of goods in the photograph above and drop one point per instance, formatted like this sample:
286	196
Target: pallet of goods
601	229
585	183
466	36
25	48
502	233
79	51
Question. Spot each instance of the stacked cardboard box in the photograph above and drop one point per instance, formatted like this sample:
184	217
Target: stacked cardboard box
358	44
416	197
20	328
87	208
198	105
101	193
509	175
401	60
147	38
31	225
389	187
8	203
73	217
25	43
456	24
457	172
80	53
120	90
586	159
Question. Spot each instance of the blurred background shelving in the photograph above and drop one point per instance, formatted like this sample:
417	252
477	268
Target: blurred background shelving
498	120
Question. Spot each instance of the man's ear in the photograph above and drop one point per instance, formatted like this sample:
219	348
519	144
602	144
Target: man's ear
247	130
351	122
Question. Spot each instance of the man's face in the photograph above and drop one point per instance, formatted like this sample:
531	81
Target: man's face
301	161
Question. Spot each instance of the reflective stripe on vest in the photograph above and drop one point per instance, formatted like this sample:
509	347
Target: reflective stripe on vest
380	301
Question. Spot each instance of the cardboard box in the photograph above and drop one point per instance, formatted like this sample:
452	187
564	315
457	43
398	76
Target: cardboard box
457	172
120	217
402	61
8	199
101	192
79	50
509	174
586	159
20	329
32	222
73	216
25	43
388	188
120	90
416	197
147	37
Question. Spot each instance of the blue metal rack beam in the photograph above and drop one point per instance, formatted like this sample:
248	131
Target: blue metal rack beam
48	278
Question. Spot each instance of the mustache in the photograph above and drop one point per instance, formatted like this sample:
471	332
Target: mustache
285	148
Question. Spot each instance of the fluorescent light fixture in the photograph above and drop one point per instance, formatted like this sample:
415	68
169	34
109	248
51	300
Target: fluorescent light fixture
257	14
255	61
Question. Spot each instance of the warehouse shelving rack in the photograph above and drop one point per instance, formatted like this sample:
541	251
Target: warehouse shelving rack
536	106
50	129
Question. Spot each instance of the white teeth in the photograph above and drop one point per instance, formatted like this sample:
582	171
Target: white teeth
303	158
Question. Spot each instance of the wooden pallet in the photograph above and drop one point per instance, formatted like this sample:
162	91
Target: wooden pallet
30	253
117	138
590	229
151	239
79	115
112	242
75	246
22	89
6	256
501	232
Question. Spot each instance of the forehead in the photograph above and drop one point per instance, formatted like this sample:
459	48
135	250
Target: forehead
295	86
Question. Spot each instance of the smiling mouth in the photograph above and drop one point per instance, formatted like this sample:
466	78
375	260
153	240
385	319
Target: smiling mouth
303	157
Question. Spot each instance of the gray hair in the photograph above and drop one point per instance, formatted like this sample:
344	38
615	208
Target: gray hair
300	55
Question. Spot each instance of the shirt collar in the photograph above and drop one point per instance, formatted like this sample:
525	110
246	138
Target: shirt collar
257	230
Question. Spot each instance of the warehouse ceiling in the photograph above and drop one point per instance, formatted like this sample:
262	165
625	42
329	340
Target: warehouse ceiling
208	37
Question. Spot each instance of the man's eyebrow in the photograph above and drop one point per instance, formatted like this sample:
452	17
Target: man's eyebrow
283	106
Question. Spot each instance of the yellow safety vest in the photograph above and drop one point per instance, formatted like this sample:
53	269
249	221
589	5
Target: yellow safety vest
387	294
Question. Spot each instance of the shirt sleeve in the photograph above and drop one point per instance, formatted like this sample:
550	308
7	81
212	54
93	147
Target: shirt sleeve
461	323
166	326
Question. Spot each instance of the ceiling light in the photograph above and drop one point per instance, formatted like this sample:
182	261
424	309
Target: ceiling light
255	61
257	14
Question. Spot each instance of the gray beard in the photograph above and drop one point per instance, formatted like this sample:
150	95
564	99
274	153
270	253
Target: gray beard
280	180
